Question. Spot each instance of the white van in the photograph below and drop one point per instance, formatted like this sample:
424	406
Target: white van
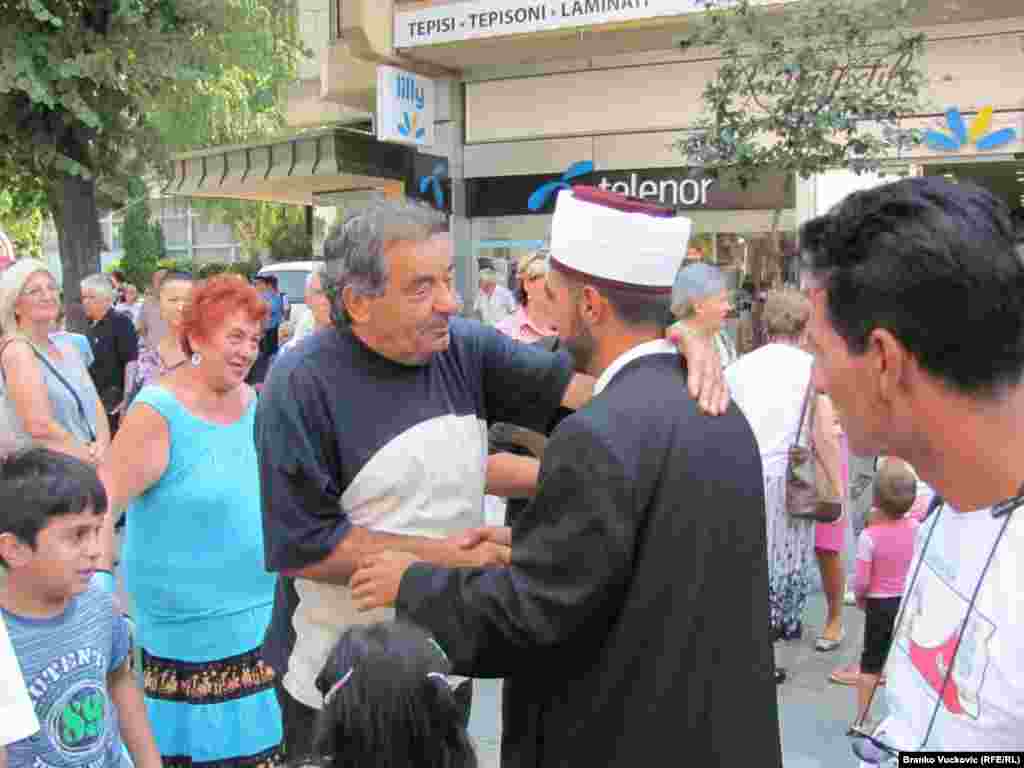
291	281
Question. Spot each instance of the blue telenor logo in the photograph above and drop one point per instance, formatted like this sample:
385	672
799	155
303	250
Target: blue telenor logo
960	135
433	183
543	193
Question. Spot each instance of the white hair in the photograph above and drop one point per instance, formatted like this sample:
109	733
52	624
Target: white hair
12	283
101	284
695	282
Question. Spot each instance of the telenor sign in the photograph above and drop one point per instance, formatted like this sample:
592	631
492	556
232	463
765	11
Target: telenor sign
495	18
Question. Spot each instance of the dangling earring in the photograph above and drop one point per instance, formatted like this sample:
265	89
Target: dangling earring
196	359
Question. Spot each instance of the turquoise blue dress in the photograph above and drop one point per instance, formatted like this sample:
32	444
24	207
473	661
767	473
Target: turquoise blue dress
193	565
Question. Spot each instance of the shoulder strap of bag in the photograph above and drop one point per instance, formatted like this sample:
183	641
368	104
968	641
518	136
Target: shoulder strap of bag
3	347
803	412
67	385
936	502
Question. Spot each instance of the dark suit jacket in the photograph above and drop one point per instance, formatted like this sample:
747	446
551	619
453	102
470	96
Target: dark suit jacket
632	626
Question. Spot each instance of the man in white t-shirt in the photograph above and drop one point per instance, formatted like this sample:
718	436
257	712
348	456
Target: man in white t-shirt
918	332
494	302
17	715
319	306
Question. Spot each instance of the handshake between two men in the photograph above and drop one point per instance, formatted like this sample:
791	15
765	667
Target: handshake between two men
376	581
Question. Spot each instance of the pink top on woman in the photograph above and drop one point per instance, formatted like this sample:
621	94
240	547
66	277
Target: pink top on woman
884	552
521	328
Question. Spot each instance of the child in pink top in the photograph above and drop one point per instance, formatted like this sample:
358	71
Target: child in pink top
884	551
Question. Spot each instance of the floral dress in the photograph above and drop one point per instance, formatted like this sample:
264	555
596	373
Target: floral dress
149	367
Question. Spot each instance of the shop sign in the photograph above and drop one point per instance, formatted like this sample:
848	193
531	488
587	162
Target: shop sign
453	22
405	107
431	183
684	188
958	135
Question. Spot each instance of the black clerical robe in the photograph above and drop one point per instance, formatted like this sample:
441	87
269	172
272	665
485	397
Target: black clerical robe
632	626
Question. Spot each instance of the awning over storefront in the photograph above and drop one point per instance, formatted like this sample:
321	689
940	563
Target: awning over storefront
297	170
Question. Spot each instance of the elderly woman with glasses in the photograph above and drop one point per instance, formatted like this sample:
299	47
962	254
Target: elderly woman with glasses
48	396
701	297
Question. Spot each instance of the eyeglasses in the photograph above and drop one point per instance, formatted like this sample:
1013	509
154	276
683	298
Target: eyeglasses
39	291
868	747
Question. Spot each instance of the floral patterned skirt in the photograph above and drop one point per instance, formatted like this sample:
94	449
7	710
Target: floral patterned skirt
218	712
790	558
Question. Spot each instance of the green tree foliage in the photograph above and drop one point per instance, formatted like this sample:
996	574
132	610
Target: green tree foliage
78	81
234	99
142	239
289	241
275	230
22	220
806	87
803	88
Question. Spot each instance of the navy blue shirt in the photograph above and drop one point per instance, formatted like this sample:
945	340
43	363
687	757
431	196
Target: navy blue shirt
348	437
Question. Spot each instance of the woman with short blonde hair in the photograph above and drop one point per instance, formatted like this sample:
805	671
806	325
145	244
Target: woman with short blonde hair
47	393
701	297
530	322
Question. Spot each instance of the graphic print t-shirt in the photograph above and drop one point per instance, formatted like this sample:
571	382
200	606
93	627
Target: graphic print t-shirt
17	716
65	662
347	437
982	705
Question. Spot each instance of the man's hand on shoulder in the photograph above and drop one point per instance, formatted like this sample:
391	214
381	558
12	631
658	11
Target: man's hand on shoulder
705	380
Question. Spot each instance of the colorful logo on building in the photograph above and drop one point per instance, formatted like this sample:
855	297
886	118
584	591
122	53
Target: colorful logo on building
960	135
412	96
543	193
433	184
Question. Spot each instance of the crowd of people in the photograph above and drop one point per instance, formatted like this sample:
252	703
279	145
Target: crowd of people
307	570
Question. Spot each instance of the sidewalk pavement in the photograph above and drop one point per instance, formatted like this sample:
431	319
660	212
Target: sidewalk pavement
814	713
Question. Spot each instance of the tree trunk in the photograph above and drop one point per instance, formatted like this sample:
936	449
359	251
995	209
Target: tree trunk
76	218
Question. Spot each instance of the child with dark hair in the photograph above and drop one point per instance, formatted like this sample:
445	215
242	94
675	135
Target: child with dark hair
388	703
71	647
884	551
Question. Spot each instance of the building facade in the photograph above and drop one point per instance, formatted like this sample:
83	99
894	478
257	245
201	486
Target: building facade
531	95
188	234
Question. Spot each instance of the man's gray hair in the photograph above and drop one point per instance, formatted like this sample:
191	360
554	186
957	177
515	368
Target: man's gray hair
695	282
101	284
354	251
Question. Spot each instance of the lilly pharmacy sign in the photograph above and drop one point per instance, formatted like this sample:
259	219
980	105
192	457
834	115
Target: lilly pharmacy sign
405	107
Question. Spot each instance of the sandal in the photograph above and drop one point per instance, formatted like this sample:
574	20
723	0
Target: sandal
825	645
846	675
849	674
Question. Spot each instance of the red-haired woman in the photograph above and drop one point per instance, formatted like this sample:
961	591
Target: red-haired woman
193	552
